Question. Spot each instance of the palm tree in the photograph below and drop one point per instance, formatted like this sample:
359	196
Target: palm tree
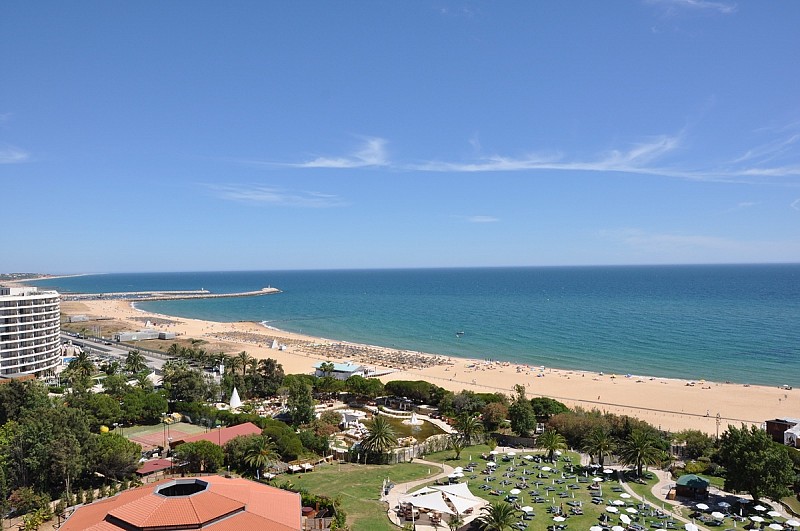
143	381
639	450
244	359
261	454
551	441
252	366
82	365
381	437
497	516
599	443
174	350
232	363
135	362
455	522
457	442
468	426
326	368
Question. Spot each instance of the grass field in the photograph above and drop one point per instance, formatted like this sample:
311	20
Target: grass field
358	487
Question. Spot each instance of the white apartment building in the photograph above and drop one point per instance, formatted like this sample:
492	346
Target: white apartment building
30	326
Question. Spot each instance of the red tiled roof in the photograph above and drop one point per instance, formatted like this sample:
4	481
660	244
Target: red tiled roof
226	504
221	436
154	465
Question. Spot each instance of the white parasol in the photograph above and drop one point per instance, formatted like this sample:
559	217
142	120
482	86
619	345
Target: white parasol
717	515
612	509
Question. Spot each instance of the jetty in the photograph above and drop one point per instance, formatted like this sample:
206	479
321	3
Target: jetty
164	295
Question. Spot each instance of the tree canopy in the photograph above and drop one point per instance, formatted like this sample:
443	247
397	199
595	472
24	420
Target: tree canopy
755	463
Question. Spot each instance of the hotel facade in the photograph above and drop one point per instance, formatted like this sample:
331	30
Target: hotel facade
30	327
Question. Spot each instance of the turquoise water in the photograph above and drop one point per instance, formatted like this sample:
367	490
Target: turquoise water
735	322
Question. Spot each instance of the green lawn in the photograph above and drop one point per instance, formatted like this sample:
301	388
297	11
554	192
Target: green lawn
792	502
358	487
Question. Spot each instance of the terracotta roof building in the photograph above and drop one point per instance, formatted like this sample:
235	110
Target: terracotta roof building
221	436
154	465
210	502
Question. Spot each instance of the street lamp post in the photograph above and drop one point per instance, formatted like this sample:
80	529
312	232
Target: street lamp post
719	420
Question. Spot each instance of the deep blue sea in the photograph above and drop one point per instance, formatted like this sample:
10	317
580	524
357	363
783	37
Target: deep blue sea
719	322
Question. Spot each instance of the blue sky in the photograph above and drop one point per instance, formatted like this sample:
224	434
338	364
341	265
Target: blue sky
174	136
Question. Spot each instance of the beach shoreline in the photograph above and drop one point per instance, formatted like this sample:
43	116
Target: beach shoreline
668	403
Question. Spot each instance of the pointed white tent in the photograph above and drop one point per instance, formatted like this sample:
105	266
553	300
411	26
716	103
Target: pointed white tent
236	402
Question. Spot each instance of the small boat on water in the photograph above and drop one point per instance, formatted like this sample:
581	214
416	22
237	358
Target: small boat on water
459	334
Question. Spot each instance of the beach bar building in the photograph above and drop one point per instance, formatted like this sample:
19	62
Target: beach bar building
341	371
785	431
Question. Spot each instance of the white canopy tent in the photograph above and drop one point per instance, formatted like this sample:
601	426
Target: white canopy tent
458	494
432	501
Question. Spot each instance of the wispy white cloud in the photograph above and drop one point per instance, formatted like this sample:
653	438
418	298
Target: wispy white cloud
633	160
482	219
773	162
769	151
795	204
266	195
725	8
12	155
371	153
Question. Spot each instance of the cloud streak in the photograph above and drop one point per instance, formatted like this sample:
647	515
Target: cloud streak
725	8
372	153
272	196
12	155
482	219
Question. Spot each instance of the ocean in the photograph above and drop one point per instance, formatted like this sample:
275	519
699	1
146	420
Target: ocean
738	323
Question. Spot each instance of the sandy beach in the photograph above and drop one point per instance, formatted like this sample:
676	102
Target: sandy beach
671	404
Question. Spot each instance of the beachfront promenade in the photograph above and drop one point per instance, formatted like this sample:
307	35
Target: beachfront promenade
165	295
